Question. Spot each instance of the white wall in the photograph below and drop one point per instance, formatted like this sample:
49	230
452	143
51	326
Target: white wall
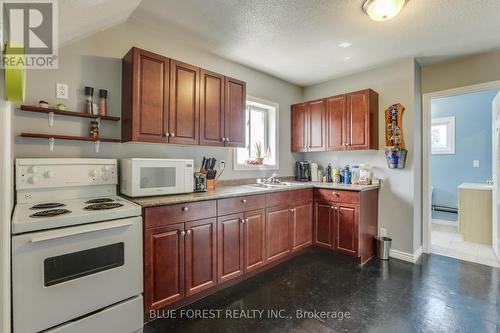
394	83
96	61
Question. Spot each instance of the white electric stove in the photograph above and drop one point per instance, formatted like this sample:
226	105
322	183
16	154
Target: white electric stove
76	249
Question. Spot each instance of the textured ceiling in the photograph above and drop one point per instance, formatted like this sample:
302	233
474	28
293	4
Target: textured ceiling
81	18
297	40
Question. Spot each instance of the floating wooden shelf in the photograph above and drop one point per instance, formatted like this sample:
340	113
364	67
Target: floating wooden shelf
30	108
66	137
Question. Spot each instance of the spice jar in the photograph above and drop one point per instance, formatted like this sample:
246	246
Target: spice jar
103	102
89	95
94	130
355	175
365	174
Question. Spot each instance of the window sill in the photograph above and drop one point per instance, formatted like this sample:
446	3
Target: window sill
247	167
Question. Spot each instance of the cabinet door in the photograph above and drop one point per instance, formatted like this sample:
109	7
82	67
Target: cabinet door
164	266
277	232
316	115
230	247
335	123
148	116
299	128
324	224
358	120
234	113
255	239
201	255
302	226
346	228
184	103
211	109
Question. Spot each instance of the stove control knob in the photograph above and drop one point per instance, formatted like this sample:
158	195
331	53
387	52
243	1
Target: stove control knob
33	169
33	180
50	174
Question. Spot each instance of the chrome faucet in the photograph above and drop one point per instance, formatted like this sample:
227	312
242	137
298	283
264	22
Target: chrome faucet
273	179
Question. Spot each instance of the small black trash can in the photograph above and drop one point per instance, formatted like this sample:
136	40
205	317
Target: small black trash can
383	246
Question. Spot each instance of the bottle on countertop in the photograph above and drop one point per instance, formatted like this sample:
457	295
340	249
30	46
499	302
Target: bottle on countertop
346	175
89	103
103	102
365	174
328	174
355	175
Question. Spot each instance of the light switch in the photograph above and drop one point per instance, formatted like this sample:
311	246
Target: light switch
475	163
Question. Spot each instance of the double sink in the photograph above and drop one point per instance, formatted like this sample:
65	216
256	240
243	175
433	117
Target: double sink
275	185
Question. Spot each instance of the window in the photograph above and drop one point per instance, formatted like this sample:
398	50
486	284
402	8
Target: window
443	135
261	143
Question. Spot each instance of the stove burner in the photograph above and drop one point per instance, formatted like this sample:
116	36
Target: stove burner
48	205
103	206
50	213
99	200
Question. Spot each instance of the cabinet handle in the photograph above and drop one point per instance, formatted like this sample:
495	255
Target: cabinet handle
242	220
183	233
185	209
223	139
227	139
172	134
292	210
244	200
167	134
189	232
336	208
335	194
332	207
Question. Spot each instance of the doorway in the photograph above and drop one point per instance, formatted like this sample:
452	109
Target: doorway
459	173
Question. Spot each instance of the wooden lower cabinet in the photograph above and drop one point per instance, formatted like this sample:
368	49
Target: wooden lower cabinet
324	224
255	239
230	247
347	223
164	265
302	225
201	255
278	232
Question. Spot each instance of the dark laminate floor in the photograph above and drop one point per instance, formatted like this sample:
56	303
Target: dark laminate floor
439	294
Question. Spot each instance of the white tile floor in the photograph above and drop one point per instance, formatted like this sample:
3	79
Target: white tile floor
446	241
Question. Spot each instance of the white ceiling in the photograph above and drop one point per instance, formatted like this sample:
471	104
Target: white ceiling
297	40
82	18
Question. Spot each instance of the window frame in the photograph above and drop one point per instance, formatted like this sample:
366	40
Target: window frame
266	106
449	122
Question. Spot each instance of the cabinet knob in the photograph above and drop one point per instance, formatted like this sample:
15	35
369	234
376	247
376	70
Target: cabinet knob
167	134
183	233
242	220
223	139
189	232
244	200
227	139
185	209
172	134
335	194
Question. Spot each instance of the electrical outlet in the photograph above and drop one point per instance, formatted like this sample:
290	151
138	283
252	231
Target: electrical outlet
222	164
383	232
61	91
475	163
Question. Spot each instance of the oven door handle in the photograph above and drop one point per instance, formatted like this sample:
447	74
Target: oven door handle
78	231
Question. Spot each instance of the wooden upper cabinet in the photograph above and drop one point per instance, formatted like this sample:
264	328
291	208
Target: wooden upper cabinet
211	108
201	255
165	100
299	128
362	120
344	122
145	96
184	107
234	113
316	128
335	123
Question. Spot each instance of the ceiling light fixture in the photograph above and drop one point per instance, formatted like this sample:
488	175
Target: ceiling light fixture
382	10
345	45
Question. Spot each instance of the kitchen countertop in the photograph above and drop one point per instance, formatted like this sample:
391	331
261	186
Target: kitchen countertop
222	192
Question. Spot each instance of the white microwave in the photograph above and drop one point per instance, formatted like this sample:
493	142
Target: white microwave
141	177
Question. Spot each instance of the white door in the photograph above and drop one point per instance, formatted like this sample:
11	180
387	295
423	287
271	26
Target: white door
496	172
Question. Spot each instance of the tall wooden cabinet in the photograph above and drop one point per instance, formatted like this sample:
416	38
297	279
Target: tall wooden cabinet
344	122
168	101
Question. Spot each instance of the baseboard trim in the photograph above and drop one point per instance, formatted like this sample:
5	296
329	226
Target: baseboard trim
413	258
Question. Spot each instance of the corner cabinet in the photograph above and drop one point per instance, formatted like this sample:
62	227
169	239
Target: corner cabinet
168	101
344	122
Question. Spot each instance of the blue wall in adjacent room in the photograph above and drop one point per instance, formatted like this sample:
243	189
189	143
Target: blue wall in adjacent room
473	127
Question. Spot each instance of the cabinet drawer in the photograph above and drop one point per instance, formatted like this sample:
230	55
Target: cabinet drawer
337	196
241	204
288	197
164	215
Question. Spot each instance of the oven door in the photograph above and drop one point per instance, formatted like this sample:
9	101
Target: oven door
62	274
158	177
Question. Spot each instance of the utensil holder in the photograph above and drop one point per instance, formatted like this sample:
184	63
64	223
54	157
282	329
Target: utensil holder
211	183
